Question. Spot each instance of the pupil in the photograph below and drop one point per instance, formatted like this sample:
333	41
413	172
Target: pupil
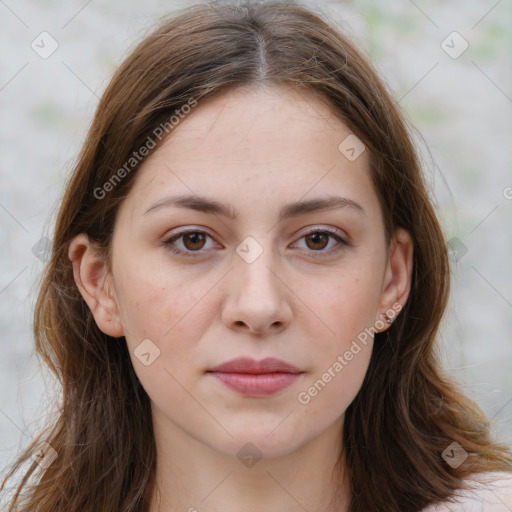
317	238
194	238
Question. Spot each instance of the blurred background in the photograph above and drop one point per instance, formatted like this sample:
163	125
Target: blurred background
449	64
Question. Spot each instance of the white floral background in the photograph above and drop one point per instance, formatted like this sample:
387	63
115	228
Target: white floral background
461	106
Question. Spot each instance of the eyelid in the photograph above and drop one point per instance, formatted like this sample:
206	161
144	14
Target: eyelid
180	232
329	229
342	238
335	233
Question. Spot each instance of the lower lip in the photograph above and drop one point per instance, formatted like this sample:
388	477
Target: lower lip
262	384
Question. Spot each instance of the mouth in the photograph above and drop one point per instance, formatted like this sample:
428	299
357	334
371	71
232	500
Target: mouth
256	378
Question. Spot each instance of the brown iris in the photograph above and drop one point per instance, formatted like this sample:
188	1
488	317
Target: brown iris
316	238
196	240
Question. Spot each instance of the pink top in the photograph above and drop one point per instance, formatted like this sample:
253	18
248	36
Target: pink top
495	495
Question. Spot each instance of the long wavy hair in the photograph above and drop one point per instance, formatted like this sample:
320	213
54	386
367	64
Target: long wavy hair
408	410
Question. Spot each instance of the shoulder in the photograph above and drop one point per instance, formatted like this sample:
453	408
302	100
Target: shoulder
490	492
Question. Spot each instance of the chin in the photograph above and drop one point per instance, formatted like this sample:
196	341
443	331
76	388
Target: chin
255	440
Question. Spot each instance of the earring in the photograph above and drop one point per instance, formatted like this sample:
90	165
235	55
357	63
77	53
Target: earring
388	320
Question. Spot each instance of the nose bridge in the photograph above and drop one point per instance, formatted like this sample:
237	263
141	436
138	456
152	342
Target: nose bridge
256	262
258	297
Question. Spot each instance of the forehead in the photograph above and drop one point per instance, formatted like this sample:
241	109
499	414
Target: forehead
254	123
272	145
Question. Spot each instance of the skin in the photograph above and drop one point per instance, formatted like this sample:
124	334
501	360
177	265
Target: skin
256	150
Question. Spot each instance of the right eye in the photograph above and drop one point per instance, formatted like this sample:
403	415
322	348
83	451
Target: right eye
193	241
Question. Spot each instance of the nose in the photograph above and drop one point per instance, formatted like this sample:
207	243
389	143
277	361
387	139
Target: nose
257	297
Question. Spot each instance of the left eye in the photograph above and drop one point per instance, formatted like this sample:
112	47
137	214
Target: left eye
195	240
318	240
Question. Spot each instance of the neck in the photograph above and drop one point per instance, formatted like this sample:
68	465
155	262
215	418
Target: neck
191	476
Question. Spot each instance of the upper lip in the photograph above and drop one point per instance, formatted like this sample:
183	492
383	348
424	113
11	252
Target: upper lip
248	365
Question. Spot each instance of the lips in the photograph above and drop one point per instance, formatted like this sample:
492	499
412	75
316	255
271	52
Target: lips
256	378
247	365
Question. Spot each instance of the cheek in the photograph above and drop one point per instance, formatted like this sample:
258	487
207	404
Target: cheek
174	317
341	359
169	309
334	386
347	307
340	369
348	304
152	299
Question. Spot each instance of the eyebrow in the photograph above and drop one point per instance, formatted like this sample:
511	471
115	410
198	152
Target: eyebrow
211	206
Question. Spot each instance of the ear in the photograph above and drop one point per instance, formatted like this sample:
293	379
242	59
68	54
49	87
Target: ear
397	279
95	284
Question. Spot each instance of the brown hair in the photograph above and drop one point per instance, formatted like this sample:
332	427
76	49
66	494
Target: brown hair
407	411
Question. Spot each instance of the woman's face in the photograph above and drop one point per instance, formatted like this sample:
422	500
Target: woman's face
250	170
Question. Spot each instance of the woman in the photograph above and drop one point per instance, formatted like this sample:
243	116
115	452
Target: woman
245	289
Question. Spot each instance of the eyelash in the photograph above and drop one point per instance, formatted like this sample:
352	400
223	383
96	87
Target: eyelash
316	254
